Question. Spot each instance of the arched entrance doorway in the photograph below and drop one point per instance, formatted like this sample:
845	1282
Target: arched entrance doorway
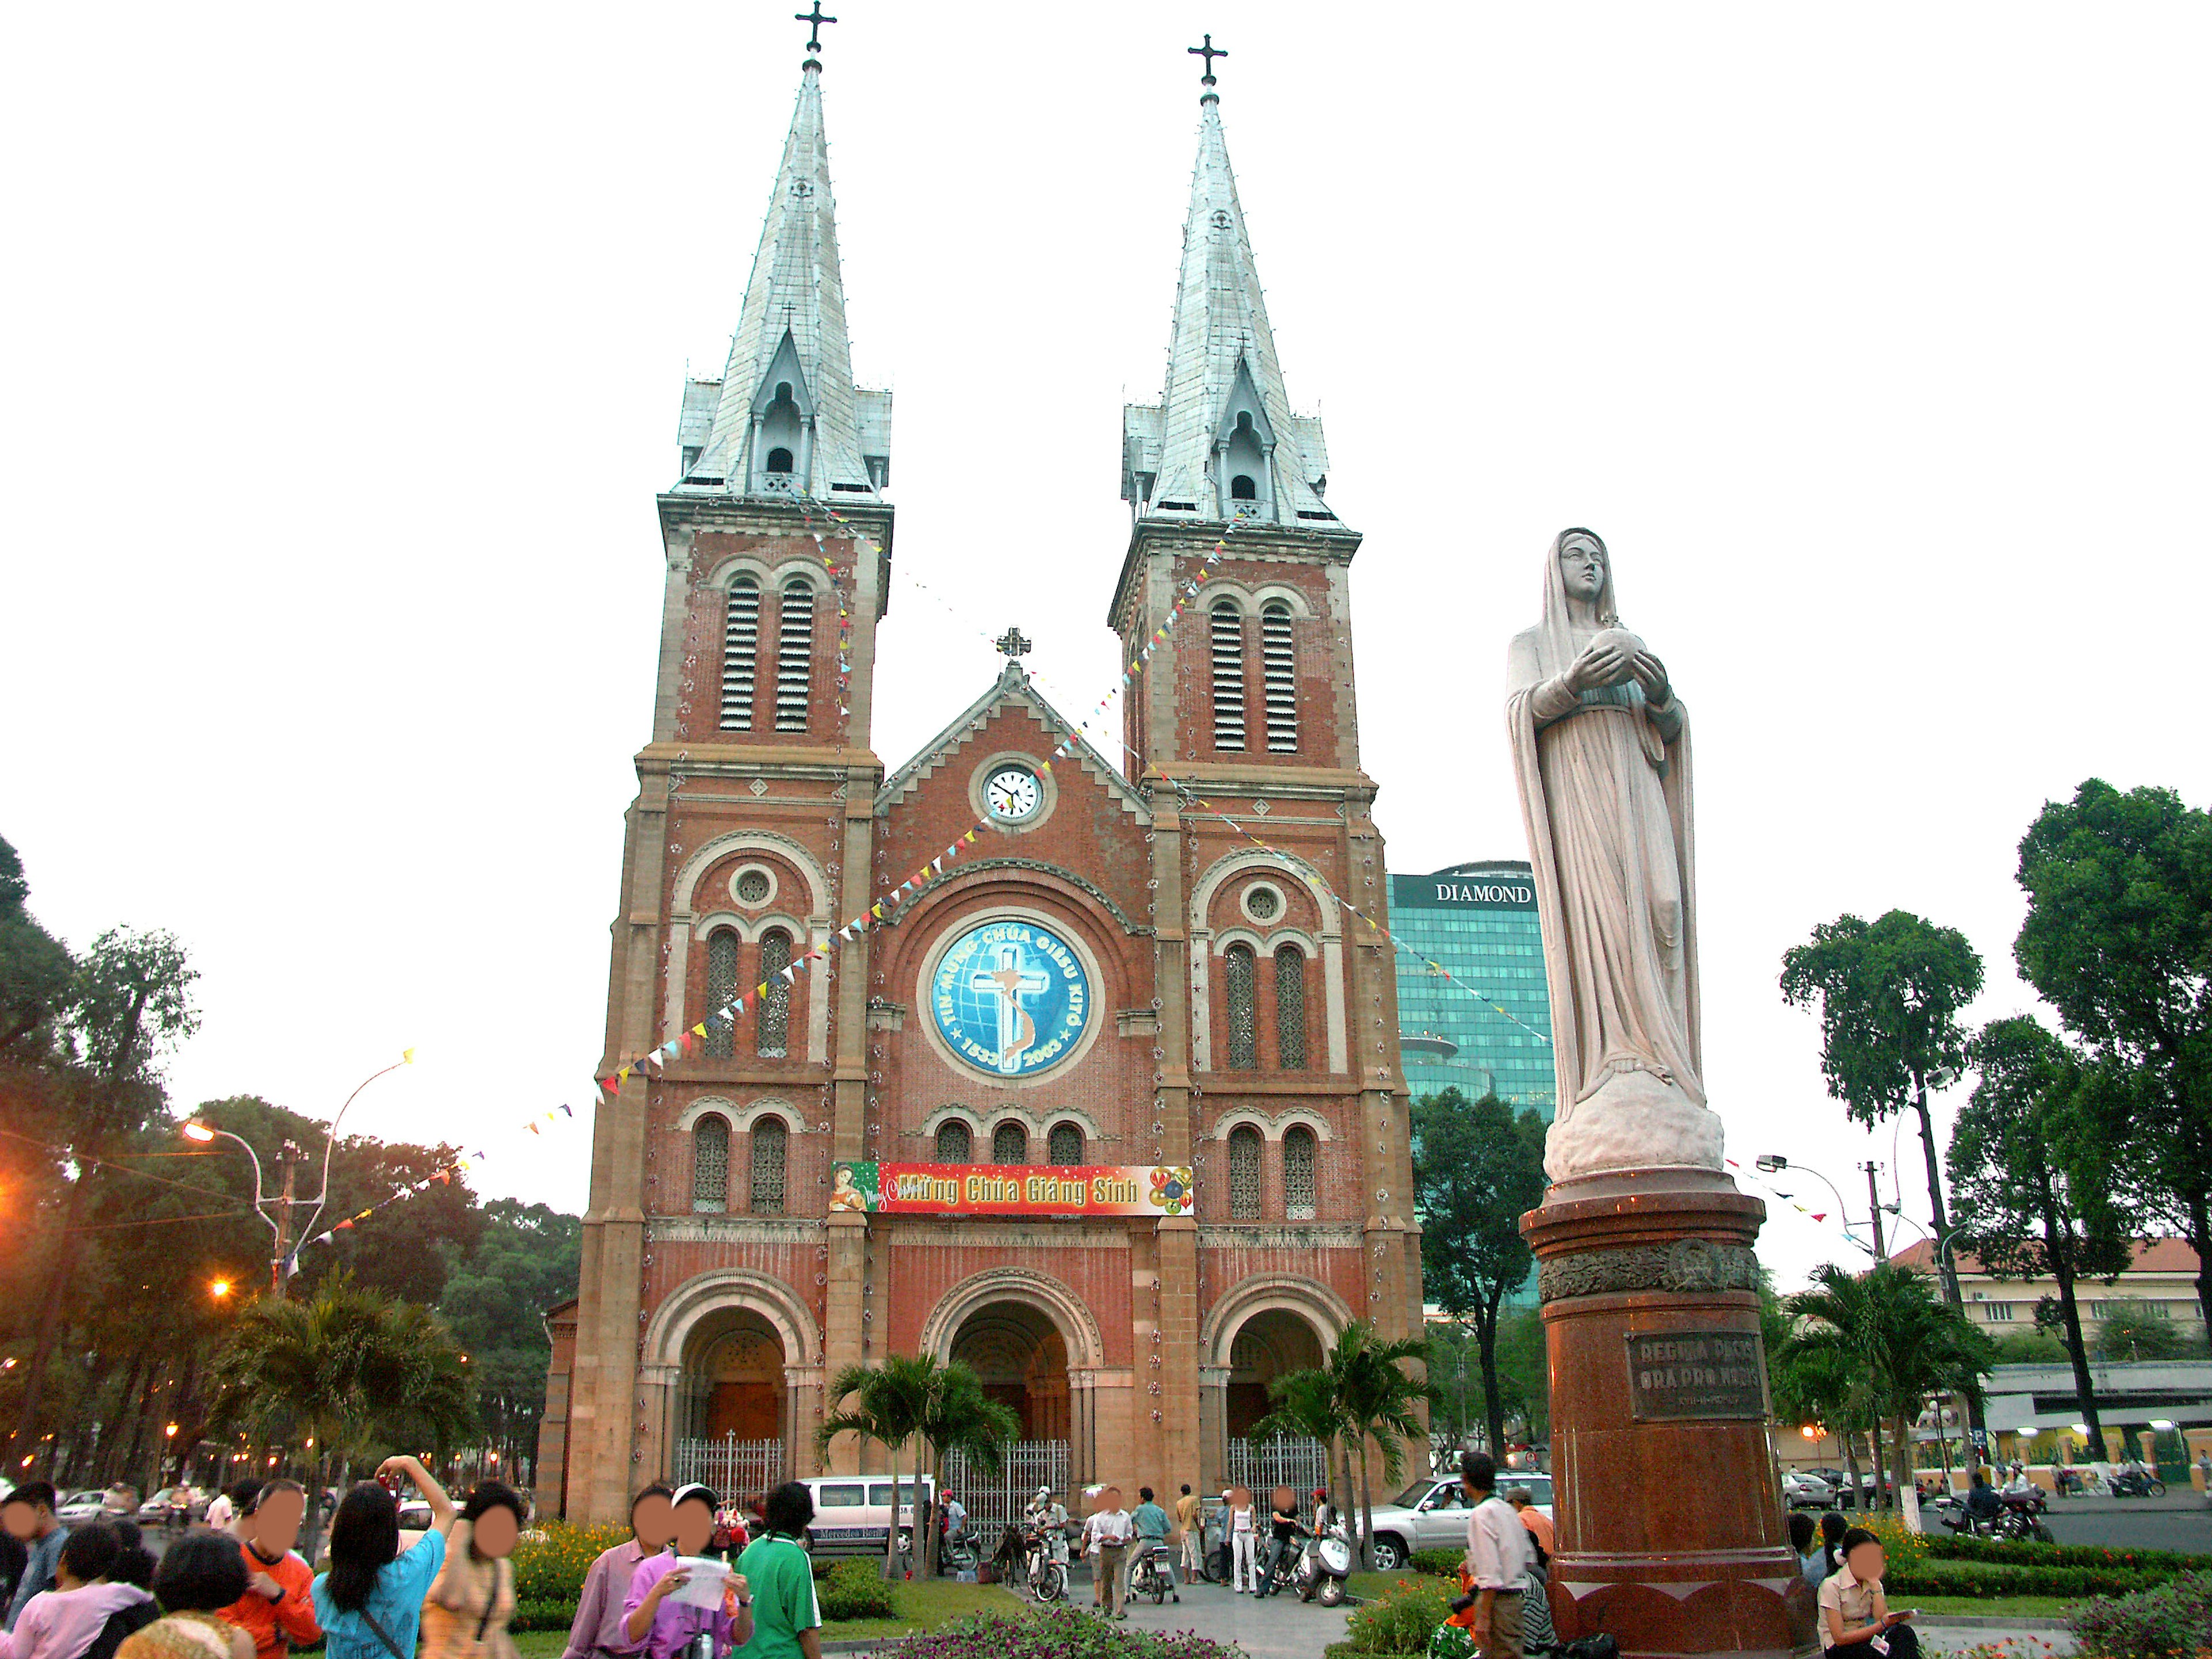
1271	1344
732	1414
1018	1351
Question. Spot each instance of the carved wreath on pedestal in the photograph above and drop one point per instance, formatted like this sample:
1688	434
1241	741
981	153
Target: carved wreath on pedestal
1687	1264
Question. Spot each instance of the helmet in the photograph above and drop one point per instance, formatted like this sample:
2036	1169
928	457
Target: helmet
1043	1492
1320	1494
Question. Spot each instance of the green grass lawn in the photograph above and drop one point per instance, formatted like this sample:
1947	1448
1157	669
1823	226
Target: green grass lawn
1368	1586
922	1604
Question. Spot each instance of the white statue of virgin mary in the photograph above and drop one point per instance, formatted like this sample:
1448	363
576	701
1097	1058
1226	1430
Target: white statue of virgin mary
1601	758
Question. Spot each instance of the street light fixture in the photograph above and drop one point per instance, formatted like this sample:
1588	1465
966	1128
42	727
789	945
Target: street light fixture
1774	1162
219	1288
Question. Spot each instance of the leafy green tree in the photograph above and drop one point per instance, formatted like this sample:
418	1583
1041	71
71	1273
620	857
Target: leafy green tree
525	1262
1524	1370
1887	1331
128	1003
2033	1347
345	1368
2129	1327
959	1417
35	969
1890	993
1380	1400
2014	1151
2119	938
916	1400
1477	1170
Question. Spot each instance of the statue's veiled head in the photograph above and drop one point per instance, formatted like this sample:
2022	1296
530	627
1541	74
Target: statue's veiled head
1583	564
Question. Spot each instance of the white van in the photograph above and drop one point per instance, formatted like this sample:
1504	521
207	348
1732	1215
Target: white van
852	1512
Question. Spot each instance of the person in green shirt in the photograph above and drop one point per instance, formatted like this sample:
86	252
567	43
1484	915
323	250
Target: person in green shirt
1150	1522
780	1573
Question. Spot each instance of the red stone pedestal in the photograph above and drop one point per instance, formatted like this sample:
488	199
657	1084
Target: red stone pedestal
1672	1534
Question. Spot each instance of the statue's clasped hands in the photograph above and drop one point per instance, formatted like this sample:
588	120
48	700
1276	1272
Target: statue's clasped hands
1614	657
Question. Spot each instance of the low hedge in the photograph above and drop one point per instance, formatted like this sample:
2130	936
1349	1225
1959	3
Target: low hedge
1401	1619
1435	1563
1946	1547
1987	1580
857	1589
1055	1633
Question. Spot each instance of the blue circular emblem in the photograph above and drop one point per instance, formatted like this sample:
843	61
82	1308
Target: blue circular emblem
1011	998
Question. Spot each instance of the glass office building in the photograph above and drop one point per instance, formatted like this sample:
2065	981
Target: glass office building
1478	921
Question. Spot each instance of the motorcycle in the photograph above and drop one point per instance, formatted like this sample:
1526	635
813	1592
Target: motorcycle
1283	1574
1323	1567
2023	1517
1040	1566
2131	1485
1151	1576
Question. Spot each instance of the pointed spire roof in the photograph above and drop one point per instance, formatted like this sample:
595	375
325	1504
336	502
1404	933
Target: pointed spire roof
792	330
1221	361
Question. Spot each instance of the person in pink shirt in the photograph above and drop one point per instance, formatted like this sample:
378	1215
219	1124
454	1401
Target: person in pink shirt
664	1626
597	1632
61	1623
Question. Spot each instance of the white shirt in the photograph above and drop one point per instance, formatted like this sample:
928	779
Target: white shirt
1497	1545
219	1513
1107	1526
1240	1520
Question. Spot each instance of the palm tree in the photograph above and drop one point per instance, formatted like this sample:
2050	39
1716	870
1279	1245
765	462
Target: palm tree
344	1370
1379	1398
1886	1329
1306	1406
914	1399
887	1405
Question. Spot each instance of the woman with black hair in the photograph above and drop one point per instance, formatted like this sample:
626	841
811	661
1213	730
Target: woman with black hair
1853	1610
370	1602
1832	1528
472	1597
200	1575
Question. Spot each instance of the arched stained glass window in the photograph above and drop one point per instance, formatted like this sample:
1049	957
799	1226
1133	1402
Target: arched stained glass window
1244	1173
771	1143
1298	1174
775	1007
955	1143
1290	1008
1010	1144
1065	1146
1238	971
721	989
710	1164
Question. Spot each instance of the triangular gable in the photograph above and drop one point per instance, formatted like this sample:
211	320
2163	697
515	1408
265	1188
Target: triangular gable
1243	394
784	366
1013	688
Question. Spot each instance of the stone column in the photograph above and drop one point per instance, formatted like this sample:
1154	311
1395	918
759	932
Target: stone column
1213	1428
1658	1391
843	1341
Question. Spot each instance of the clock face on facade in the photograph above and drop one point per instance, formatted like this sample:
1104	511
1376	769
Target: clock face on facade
1012	793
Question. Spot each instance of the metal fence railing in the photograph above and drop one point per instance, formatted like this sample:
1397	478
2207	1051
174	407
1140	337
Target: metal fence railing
732	1467
1284	1461
995	1500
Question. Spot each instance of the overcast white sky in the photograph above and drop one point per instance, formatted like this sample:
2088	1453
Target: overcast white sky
343	352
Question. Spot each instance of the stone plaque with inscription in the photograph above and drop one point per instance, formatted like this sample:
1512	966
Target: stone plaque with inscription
1678	1375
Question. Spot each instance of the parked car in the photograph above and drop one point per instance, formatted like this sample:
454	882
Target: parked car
80	1508
1804	1490
173	1506
852	1513
1431	1513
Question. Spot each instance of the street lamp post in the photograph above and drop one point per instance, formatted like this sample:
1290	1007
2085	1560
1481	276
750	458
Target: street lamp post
290	1157
1773	1163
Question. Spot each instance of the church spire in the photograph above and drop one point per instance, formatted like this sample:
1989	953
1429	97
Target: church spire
786	418
1222	443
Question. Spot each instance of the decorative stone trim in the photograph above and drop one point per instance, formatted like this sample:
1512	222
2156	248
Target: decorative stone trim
732	1230
1687	1264
1278	1238
976	866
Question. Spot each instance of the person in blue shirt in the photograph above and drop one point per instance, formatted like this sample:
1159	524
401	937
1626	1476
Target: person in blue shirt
370	1602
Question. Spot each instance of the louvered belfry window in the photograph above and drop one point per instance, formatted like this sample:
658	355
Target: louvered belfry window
954	1145
794	654
1244	1173
721	990
741	651
1298	1174
1290	1008
1280	663
1238	967
1064	1147
1228	677
776	1005
771	1144
1010	1144
710	1164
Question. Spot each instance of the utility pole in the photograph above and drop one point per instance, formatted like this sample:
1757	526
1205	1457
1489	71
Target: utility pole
288	1162
1874	1207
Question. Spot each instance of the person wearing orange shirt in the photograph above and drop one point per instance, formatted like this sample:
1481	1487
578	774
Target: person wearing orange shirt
278	1608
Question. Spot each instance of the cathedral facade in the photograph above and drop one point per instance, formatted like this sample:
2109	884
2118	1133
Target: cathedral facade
1108	1104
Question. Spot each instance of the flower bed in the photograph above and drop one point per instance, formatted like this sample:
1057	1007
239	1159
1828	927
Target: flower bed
1401	1619
2174	1618
1057	1633
549	1569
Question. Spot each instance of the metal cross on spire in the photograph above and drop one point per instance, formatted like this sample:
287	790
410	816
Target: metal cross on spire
1013	644
1208	52
814	20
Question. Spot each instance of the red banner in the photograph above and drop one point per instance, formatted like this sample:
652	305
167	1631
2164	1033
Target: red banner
963	1189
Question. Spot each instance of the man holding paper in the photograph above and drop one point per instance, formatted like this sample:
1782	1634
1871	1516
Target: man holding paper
675	1599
